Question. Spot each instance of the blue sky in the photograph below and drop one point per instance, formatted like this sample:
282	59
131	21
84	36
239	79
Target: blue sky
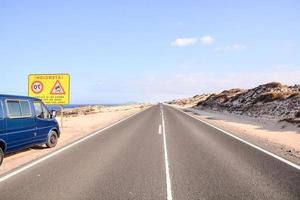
121	51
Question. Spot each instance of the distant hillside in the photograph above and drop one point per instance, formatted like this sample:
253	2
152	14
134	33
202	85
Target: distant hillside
189	102
272	100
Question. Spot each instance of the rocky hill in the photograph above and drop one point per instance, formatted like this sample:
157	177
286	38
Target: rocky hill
271	100
189	102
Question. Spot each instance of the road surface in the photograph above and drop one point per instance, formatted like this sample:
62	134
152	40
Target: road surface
160	153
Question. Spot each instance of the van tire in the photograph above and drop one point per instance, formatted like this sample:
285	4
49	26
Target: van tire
52	139
1	156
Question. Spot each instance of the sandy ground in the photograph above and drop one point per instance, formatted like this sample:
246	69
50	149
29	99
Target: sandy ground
73	129
282	138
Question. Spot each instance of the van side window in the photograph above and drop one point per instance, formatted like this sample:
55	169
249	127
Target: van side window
25	108
14	109
18	108
40	110
46	112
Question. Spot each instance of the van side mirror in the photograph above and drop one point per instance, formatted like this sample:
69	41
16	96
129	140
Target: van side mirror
53	113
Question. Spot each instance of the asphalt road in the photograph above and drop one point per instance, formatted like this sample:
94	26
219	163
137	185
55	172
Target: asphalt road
160	153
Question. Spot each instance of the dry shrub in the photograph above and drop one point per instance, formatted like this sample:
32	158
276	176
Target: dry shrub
295	94
237	96
291	120
273	85
268	97
297	114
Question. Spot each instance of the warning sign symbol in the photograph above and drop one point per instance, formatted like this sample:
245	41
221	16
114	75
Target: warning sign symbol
57	88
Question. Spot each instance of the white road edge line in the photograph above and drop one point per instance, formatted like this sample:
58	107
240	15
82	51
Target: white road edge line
13	173
168	179
244	141
159	129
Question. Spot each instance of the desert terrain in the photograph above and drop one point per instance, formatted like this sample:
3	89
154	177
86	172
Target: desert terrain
267	115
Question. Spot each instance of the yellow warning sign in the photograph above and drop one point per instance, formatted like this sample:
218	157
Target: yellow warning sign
53	89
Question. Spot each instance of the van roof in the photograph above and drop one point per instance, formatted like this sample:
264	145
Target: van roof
16	97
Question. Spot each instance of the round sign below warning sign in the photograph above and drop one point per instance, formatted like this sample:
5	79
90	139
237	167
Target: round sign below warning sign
37	87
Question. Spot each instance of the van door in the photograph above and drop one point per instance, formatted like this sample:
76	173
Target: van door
44	123
20	124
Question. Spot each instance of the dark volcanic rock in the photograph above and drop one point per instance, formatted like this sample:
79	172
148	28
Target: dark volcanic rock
269	100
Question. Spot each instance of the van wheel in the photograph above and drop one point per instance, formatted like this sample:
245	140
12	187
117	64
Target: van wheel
1	156
52	139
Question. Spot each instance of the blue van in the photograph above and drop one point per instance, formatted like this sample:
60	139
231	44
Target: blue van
25	122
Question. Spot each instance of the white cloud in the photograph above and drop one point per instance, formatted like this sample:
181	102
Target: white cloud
233	47
181	42
207	40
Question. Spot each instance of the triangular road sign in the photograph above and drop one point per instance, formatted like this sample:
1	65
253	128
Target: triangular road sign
57	88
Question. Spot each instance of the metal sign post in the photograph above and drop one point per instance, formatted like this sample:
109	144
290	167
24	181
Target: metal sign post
61	116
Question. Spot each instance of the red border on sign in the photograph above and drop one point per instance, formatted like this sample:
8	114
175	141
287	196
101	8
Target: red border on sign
63	91
41	85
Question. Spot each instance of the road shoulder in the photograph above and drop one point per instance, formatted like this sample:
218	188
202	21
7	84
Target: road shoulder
267	134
